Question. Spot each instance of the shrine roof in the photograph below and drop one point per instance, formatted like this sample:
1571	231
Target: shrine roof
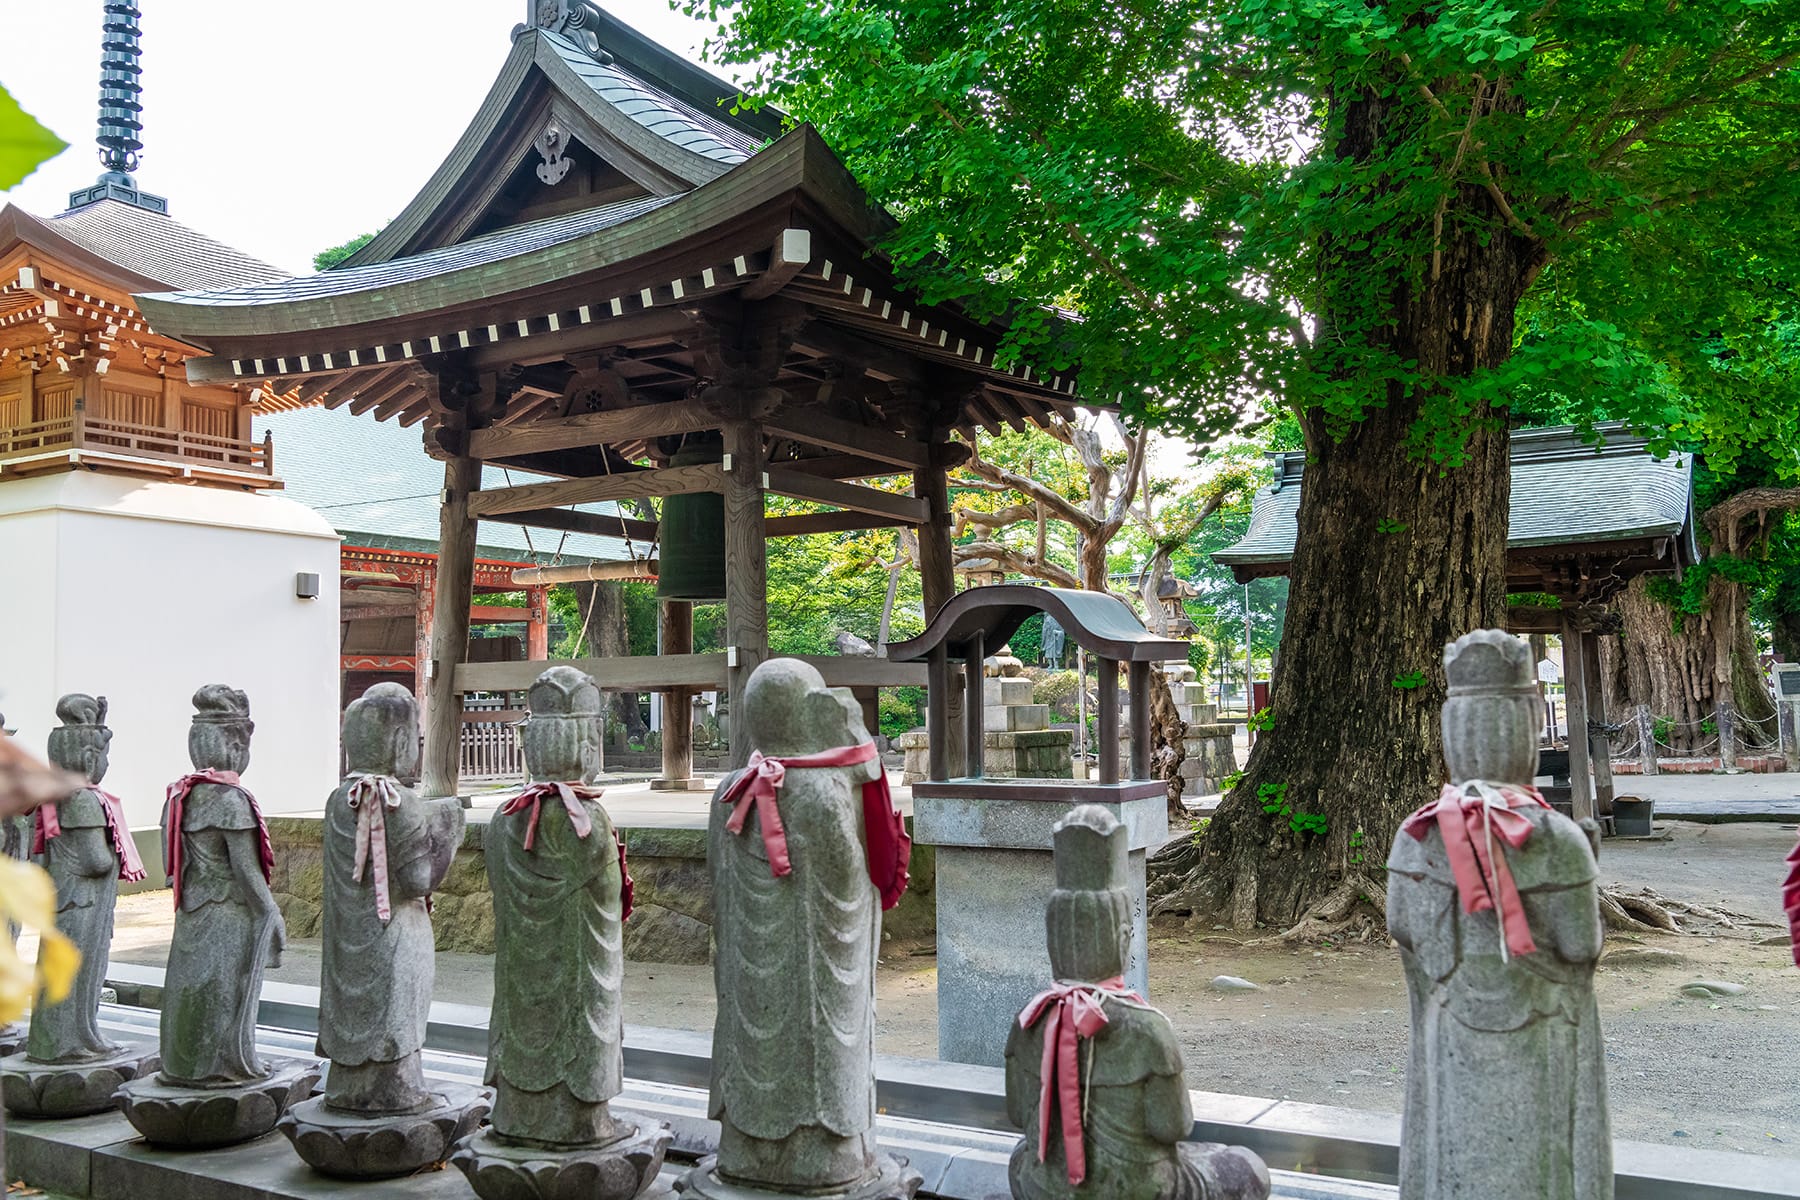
1566	493
1100	623
156	246
370	481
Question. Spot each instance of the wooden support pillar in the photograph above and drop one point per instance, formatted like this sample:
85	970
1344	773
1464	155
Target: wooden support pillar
424	604
1599	745
746	572
937	716
676	618
869	700
1575	684
937	579
450	628
1106	704
537	632
1138	682
974	736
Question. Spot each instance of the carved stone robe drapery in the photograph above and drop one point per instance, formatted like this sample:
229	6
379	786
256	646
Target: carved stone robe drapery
85	871
1506	1076
794	1037
559	967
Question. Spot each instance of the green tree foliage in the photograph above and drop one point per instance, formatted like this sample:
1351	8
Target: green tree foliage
325	260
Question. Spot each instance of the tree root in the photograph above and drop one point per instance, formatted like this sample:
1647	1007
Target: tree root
1644	911
1355	910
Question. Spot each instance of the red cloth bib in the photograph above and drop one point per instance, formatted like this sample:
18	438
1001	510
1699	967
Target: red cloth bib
1470	816
47	826
571	795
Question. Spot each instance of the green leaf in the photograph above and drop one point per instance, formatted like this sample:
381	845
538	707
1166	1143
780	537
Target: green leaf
24	143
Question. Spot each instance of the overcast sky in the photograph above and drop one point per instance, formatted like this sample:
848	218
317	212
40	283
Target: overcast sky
278	128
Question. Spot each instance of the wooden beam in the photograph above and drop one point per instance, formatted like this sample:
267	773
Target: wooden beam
835	341
845	671
840	466
596	572
497	614
676	625
669	481
450	628
746	569
645	673
801	524
574	339
592	429
817	429
798	486
571	521
793	250
400	401
377	612
396	383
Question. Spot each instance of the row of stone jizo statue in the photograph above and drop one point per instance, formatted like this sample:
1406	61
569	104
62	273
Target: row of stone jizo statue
1492	902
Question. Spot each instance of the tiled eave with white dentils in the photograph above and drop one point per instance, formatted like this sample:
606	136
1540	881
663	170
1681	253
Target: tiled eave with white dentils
788	220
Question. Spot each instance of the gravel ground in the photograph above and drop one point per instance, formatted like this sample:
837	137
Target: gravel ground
1328	1025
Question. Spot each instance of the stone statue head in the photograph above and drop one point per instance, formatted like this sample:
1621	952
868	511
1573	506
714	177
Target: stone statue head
1089	918
381	732
789	710
80	743
1493	713
562	734
219	739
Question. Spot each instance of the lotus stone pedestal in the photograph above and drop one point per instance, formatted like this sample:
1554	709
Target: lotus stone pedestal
186	1118
72	1089
353	1146
504	1170
892	1180
994	878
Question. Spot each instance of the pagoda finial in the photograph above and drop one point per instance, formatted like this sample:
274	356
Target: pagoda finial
121	111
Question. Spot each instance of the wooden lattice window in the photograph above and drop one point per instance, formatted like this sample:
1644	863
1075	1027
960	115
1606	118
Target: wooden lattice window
130	408
11	408
56	404
209	420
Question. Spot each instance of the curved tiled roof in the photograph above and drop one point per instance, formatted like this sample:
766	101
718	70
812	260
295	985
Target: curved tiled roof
1564	492
158	247
477	252
667	116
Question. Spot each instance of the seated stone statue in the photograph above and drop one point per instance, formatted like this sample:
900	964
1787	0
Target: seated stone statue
802	847
561	896
1492	899
385	850
70	1066
227	931
1093	1073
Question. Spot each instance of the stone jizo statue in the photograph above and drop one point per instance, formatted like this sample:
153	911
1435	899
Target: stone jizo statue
214	1089
1093	1073
561	896
1492	899
385	849
803	846
70	1067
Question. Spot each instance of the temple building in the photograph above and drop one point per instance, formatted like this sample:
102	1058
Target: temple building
148	544
617	281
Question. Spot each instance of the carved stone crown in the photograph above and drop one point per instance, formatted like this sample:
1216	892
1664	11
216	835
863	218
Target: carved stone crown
1489	662
564	692
217	704
1091	850
79	710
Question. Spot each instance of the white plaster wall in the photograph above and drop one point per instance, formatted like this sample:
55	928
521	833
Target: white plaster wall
28	571
159	588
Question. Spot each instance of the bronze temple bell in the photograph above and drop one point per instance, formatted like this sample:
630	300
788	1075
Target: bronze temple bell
692	533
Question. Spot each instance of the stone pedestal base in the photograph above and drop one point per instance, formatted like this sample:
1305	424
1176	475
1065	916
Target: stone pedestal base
35	1089
891	1179
994	878
185	1118
500	1170
349	1146
691	784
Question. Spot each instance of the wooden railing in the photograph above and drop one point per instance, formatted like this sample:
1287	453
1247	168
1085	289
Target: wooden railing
81	431
490	742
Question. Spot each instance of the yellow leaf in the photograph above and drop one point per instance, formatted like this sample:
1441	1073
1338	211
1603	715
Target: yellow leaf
28	898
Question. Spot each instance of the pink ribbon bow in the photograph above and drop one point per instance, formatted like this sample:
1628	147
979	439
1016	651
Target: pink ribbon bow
172	817
1071	1011
571	794
1470	816
1790	900
372	796
48	825
889	849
